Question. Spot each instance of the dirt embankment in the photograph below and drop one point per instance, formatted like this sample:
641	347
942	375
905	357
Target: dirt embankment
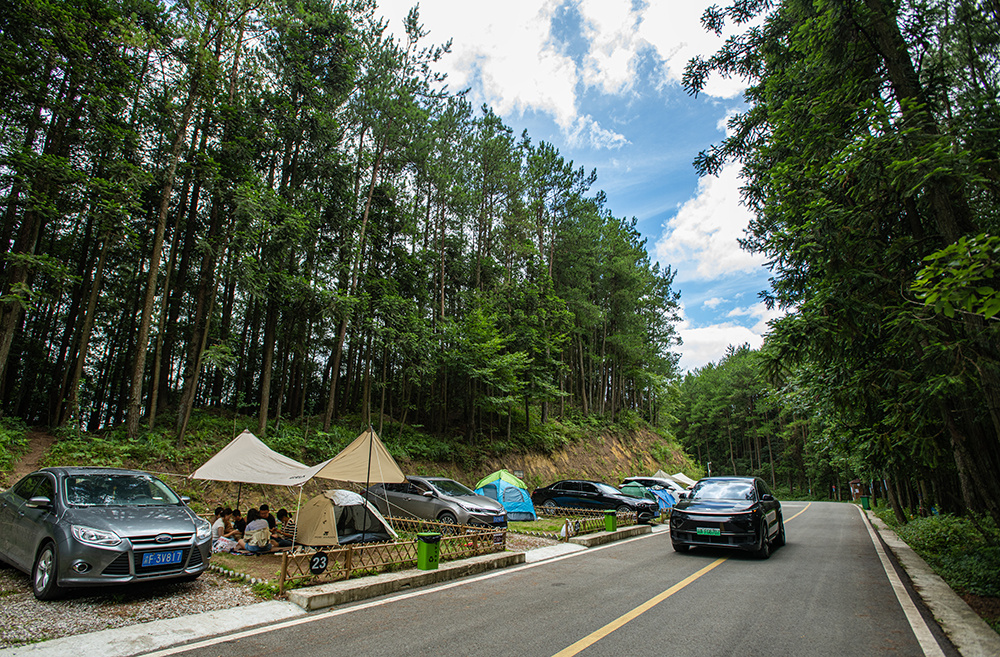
604	458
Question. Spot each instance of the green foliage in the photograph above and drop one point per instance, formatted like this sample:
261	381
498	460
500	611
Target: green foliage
958	551
961	276
13	442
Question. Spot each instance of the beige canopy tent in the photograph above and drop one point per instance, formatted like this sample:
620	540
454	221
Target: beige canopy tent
364	461
247	460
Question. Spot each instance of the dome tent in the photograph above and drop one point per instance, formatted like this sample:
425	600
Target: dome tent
509	491
336	517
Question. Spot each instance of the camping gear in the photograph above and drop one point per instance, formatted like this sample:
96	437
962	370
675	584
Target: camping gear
509	491
337	517
364	461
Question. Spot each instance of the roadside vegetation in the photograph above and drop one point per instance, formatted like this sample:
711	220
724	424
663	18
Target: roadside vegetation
964	551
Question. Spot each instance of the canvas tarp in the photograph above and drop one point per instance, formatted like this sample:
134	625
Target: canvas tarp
339	516
364	461
247	460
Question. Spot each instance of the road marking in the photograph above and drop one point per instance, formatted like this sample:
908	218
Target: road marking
596	636
928	644
339	611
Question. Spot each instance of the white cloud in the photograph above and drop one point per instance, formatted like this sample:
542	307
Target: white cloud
587	130
713	302
699	242
707	344
760	312
509	58
675	30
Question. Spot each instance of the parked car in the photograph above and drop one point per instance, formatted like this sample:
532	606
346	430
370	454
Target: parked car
82	526
729	512
437	498
670	485
576	493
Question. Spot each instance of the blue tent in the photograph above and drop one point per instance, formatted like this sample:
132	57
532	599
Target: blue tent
516	500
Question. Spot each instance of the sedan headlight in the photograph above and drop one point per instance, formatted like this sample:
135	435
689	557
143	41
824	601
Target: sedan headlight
202	528
92	536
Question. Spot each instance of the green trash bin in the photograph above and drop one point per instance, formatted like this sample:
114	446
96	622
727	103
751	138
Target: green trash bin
610	521
428	550
866	503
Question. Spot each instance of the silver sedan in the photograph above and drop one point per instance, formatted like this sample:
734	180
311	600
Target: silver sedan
78	526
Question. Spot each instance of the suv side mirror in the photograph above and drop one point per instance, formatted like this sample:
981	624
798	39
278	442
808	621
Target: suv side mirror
767	497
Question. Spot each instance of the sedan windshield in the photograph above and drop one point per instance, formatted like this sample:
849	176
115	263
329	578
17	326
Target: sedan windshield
117	490
607	489
451	487
724	490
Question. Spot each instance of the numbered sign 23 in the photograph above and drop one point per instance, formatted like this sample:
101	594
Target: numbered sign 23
318	563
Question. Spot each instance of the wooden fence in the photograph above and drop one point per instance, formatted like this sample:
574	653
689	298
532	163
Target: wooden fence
355	560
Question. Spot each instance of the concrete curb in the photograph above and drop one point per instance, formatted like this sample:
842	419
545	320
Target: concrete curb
967	631
338	593
156	635
601	538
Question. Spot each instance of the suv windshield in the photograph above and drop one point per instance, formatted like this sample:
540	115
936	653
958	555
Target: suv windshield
117	490
723	490
451	487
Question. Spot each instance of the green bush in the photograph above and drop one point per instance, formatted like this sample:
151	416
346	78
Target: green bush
962	555
13	441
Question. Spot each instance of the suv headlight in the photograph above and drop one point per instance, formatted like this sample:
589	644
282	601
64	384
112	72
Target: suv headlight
202	528
91	536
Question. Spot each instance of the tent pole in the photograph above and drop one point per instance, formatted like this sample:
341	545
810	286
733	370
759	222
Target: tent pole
368	477
298	505
239	491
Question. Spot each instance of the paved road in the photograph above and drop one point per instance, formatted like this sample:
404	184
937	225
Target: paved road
825	593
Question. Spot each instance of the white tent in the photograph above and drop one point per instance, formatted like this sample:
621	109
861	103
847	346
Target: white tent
684	479
249	461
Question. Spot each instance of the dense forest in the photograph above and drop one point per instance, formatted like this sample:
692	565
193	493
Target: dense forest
278	209
869	150
275	208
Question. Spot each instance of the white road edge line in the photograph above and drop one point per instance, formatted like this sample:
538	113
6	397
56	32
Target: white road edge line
176	650
920	630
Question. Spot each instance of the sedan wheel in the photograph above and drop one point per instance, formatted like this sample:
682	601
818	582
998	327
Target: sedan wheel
448	518
43	575
623	509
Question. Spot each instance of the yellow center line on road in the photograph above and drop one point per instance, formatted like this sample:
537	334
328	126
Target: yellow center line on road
597	635
594	637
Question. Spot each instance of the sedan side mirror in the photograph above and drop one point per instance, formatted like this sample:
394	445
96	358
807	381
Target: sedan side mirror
39	502
429	493
186	499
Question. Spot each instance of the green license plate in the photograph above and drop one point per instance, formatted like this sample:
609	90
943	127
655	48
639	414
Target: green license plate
708	531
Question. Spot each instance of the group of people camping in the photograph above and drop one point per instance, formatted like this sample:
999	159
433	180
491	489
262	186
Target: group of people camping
258	532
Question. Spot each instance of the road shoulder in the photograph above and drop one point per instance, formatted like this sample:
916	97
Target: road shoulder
967	631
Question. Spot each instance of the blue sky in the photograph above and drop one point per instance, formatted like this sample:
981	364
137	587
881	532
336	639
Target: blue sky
600	79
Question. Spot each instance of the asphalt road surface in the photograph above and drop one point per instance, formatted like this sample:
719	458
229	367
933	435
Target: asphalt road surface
826	592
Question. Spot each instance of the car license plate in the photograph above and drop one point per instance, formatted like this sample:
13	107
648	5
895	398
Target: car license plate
709	531
498	519
162	558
